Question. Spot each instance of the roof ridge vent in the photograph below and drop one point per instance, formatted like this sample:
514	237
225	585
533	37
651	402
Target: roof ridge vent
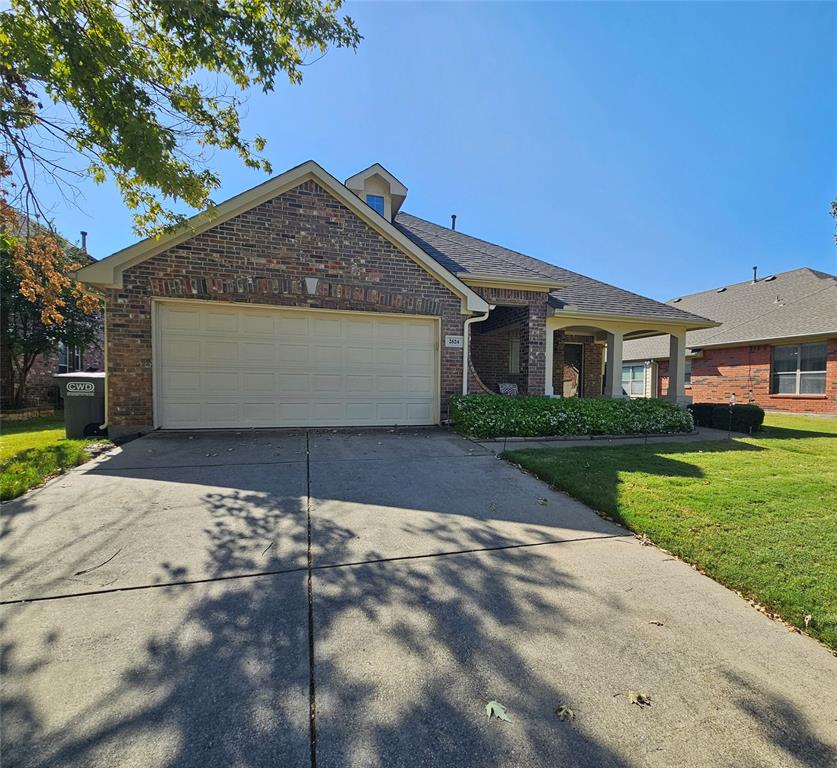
674	301
769	278
721	289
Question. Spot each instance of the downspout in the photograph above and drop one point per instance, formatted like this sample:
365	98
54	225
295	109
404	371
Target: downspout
105	365
466	342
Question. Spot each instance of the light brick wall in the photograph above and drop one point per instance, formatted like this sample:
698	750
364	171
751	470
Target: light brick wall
746	372
264	256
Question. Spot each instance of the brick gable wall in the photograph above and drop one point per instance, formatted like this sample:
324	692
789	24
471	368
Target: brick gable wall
746	372
302	248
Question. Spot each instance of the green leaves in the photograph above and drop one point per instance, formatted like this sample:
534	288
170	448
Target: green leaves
151	86
496	709
565	713
640	699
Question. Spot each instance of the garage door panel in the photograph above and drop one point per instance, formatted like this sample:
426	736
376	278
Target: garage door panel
217	382
257	354
215	351
234	366
389	384
359	356
328	382
419	358
258	382
292	353
419	412
391	356
181	351
291	325
420	385
218	322
356	383
183	382
259	325
184	319
293	382
182	414
223	412
326	354
259	414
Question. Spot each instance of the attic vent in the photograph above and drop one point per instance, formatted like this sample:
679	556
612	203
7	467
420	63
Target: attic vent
674	301
769	278
720	290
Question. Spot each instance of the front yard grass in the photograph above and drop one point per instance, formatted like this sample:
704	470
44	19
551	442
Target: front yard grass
33	450
758	514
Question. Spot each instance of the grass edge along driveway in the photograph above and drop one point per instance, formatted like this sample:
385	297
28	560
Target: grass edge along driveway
34	450
758	514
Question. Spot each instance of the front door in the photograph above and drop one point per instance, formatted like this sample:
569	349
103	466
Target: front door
573	375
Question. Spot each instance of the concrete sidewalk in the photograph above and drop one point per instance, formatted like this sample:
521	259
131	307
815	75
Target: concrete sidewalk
355	598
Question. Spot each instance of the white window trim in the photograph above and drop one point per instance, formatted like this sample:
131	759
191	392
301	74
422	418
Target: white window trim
797	375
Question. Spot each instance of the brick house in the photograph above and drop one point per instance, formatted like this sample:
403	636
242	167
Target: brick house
309	302
775	346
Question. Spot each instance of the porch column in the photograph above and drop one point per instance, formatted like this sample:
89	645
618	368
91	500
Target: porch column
535	348
548	388
613	366
677	367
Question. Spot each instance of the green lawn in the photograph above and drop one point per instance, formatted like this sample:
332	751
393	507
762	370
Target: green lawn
757	514
33	450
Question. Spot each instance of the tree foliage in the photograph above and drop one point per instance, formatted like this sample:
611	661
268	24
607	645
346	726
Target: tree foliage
145	89
41	305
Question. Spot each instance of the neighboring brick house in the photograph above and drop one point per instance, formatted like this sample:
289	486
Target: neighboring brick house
307	302
776	345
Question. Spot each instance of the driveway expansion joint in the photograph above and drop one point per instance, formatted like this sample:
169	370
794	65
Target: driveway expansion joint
325	567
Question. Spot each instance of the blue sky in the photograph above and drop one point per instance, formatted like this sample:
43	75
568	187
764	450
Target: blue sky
665	148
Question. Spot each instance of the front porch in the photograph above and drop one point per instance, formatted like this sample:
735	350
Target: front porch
521	349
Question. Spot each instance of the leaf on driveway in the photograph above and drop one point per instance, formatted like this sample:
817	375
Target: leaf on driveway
656	623
644	540
542	501
565	713
640	699
496	709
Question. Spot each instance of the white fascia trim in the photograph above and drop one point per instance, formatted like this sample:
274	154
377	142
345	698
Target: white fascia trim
523	283
650	320
107	273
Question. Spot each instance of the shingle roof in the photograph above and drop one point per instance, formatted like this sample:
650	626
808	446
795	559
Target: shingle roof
460	253
801	302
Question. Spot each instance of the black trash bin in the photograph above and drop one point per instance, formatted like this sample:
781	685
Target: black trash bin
84	402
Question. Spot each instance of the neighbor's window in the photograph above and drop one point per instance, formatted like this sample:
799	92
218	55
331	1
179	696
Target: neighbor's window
514	355
633	380
69	359
376	202
687	373
799	369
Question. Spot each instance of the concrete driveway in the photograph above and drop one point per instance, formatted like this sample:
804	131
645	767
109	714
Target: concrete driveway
355	599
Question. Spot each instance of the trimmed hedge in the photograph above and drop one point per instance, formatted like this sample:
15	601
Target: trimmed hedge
745	417
498	416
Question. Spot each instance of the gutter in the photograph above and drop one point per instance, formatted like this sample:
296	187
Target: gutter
466	345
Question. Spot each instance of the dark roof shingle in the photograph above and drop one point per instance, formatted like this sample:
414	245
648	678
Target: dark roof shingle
460	253
801	302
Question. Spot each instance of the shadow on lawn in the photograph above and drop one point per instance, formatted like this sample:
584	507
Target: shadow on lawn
592	474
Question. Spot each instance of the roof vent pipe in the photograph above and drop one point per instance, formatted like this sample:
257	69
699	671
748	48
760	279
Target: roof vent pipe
453	221
84	241
755	274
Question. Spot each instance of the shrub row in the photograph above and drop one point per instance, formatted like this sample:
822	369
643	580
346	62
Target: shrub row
745	418
497	416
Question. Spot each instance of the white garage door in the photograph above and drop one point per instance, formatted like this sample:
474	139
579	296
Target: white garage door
220	366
